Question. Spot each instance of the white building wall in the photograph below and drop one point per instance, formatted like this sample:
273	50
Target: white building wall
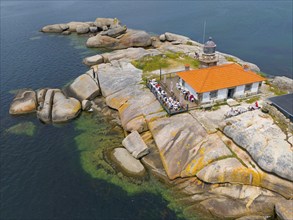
191	90
239	91
205	97
222	94
254	87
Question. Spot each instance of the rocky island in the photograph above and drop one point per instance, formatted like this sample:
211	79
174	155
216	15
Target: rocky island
223	168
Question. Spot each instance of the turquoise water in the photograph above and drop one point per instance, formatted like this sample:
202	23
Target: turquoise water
41	176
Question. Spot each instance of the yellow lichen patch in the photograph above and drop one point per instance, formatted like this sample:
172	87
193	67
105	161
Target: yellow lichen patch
123	108
244	175
117	102
173	133
82	77
76	107
194	166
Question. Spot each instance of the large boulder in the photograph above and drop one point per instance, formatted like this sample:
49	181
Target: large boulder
117	99
63	108
57	107
44	113
116	76
284	210
133	113
100	41
115	32
135	145
93	60
131	38
84	87
82	29
283	83
228	170
128	164
176	37
24	102
93	29
55	28
134	38
101	22
184	145
130	54
86	105
263	140
74	24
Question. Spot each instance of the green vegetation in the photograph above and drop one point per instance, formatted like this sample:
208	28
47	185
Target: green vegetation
215	107
188	43
24	128
115	21
276	90
252	99
95	140
231	59
148	64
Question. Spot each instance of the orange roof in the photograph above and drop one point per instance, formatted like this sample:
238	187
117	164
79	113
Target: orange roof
219	77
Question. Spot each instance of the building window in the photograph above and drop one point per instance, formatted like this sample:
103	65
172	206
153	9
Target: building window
248	87
214	94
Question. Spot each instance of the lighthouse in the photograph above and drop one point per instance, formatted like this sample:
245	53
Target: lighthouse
208	57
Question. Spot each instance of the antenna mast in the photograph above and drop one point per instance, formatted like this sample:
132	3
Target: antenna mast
204	31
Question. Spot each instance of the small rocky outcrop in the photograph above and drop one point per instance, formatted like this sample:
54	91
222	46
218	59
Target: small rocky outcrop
127	163
135	145
57	107
130	39
93	29
114	32
93	60
55	28
102	22
130	54
283	83
135	38
86	105
73	25
84	87
263	140
174	37
116	76
82	29
284	210
100	41
24	102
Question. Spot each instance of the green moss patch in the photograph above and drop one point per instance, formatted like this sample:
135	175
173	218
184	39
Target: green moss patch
252	99
96	138
24	128
148	64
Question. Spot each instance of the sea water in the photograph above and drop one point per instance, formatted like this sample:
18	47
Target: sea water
41	174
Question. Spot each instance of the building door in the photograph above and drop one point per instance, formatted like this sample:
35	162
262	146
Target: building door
230	93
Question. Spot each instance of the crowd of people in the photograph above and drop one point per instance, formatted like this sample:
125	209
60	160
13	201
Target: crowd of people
170	102
240	110
187	95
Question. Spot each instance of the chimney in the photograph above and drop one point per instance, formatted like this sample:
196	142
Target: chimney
246	67
187	67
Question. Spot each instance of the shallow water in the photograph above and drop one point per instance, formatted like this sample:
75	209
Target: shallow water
42	176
